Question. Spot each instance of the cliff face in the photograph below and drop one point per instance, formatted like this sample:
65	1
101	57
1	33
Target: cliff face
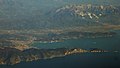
11	56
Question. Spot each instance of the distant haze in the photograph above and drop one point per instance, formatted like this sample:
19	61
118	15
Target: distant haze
28	14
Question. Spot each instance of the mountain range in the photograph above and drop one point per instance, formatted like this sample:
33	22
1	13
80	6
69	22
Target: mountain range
81	15
41	14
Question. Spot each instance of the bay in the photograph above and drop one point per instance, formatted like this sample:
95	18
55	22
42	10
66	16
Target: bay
109	43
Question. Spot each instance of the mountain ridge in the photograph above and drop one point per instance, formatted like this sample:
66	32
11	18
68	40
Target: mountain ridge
12	56
29	14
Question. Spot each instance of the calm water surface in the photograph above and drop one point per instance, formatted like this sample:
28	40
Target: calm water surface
110	43
86	60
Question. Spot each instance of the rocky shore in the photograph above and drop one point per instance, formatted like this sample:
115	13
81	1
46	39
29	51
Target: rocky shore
11	56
